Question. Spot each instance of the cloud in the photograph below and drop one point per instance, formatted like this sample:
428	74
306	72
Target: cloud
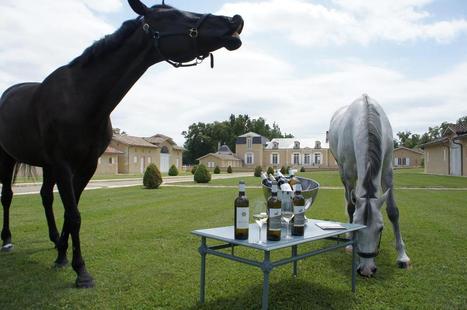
252	82
348	21
38	36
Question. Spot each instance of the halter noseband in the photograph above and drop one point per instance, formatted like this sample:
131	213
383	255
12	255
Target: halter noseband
371	254
193	33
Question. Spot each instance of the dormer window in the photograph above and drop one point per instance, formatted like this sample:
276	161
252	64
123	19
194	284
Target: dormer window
275	145
296	145
317	144
249	143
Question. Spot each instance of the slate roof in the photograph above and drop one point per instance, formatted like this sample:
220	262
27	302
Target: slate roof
415	150
289	143
133	141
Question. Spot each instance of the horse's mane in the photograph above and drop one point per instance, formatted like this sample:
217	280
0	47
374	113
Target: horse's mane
106	44
374	152
112	41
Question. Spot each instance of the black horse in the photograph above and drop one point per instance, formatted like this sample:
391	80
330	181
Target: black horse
63	124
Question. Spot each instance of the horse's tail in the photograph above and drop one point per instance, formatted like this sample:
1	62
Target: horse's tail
29	172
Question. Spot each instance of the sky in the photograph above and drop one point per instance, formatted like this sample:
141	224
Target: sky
300	61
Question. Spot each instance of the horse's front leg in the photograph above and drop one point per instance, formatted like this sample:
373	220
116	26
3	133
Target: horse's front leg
47	196
72	225
403	261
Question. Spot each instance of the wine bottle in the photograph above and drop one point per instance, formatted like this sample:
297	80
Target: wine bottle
298	228
241	214
292	179
274	215
264	179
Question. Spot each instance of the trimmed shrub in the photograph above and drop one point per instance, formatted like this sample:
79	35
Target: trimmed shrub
270	170
283	171
287	169
202	175
173	171
302	169
193	169
152	177
217	170
258	171
229	169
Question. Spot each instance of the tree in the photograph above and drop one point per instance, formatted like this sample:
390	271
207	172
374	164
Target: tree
258	171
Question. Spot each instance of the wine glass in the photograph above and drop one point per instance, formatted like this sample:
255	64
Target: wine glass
287	213
260	215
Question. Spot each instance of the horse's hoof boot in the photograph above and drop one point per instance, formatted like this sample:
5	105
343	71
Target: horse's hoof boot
7	248
85	281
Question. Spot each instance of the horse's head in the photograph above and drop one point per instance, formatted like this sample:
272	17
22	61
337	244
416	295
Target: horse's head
368	213
181	36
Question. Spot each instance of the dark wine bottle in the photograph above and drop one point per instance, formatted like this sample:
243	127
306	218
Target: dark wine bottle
298	228
241	213
264	179
274	215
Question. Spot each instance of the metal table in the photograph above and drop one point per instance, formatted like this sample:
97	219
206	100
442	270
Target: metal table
312	233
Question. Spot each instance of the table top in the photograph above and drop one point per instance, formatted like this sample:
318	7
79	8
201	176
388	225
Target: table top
312	233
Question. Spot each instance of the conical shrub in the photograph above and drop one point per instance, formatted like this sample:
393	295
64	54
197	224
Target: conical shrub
152	177
202	175
173	171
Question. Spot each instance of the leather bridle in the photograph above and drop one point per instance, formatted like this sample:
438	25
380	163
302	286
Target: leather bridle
193	33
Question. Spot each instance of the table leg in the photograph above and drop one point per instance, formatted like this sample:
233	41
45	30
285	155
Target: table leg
294	253
202	280
267	267
354	267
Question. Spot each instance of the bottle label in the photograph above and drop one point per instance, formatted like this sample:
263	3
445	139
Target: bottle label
299	215
275	219
243	217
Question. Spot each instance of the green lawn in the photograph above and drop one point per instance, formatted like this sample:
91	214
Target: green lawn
413	178
138	246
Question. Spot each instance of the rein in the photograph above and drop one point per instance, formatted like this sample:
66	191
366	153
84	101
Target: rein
193	33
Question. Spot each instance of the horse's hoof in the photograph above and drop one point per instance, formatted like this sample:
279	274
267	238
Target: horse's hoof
7	248
60	264
404	265
85	280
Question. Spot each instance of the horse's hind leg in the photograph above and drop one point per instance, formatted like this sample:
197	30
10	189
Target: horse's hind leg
47	196
7	165
403	261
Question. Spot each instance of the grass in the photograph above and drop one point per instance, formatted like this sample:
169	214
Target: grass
138	246
403	178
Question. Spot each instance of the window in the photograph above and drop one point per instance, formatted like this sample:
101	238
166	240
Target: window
111	160
296	145
249	158
249	144
275	145
317	157
306	159
296	159
211	164
317	144
135	159
275	159
165	150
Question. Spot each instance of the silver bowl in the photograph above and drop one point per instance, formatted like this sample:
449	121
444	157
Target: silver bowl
309	191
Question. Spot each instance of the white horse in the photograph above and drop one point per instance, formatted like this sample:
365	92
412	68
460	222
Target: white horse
360	138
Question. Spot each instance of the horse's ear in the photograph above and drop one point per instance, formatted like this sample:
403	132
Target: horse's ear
138	7
382	199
